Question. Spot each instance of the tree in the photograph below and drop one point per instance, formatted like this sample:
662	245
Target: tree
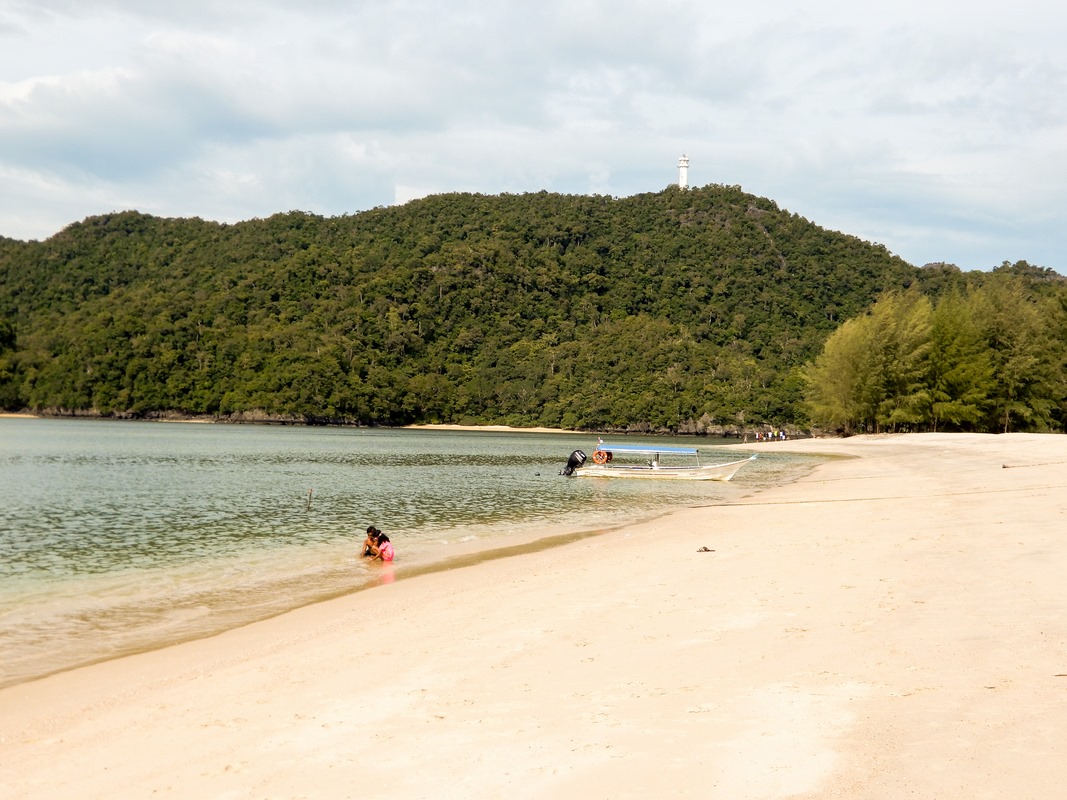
1022	353
960	367
896	369
838	396
9	391
984	360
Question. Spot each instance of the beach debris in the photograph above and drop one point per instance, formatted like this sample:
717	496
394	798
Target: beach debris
705	550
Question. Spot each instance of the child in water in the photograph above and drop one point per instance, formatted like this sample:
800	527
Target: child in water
370	544
385	548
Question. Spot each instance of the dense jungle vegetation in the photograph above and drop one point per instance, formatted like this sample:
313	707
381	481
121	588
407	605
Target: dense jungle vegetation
683	310
989	356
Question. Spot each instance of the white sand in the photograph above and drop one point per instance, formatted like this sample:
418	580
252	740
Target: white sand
892	626
501	428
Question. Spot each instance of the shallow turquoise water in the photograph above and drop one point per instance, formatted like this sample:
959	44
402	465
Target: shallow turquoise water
122	536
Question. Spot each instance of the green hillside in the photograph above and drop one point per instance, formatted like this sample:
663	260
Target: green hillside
678	311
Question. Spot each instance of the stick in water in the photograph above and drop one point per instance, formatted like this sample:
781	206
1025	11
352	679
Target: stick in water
309	500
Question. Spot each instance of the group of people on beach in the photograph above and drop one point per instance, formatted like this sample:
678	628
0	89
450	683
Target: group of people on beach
768	436
377	546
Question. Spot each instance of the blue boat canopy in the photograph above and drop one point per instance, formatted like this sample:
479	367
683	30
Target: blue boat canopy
633	448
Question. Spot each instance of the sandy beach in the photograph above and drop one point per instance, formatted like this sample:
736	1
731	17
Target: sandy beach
893	625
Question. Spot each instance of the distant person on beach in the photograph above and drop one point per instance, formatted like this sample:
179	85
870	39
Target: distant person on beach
385	548
370	544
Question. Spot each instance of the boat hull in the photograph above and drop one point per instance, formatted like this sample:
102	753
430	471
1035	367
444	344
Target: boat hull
711	472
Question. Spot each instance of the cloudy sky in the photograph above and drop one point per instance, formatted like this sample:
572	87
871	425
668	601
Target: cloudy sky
936	128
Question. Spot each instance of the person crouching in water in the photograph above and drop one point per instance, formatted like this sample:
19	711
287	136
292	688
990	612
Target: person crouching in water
370	544
385	548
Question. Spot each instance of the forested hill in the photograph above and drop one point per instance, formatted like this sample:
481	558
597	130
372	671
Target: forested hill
677	310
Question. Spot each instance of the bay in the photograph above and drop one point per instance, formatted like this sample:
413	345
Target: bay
117	537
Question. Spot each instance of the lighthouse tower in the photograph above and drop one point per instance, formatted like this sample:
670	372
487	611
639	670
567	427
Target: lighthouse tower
683	172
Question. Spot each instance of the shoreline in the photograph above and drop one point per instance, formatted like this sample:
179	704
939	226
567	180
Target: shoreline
892	623
439	426
54	624
279	421
343	575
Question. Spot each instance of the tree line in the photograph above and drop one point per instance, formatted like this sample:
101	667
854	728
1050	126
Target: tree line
987	356
676	311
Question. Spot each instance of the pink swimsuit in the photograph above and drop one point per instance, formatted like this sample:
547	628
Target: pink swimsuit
386	552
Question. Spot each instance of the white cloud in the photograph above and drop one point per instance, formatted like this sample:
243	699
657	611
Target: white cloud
935	130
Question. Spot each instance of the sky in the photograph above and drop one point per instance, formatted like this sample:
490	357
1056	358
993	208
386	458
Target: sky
937	129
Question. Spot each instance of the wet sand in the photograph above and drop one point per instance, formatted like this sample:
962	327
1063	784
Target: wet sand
892	625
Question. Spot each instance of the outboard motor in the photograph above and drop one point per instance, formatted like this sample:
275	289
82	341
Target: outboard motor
576	460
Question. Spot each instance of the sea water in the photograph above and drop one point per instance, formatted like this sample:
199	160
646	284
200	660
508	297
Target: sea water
117	537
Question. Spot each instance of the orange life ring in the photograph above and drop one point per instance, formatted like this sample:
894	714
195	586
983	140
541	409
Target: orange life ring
601	456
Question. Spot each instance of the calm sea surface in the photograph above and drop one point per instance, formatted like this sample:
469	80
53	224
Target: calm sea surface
117	537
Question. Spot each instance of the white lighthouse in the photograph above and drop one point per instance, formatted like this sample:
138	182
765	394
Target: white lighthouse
683	172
